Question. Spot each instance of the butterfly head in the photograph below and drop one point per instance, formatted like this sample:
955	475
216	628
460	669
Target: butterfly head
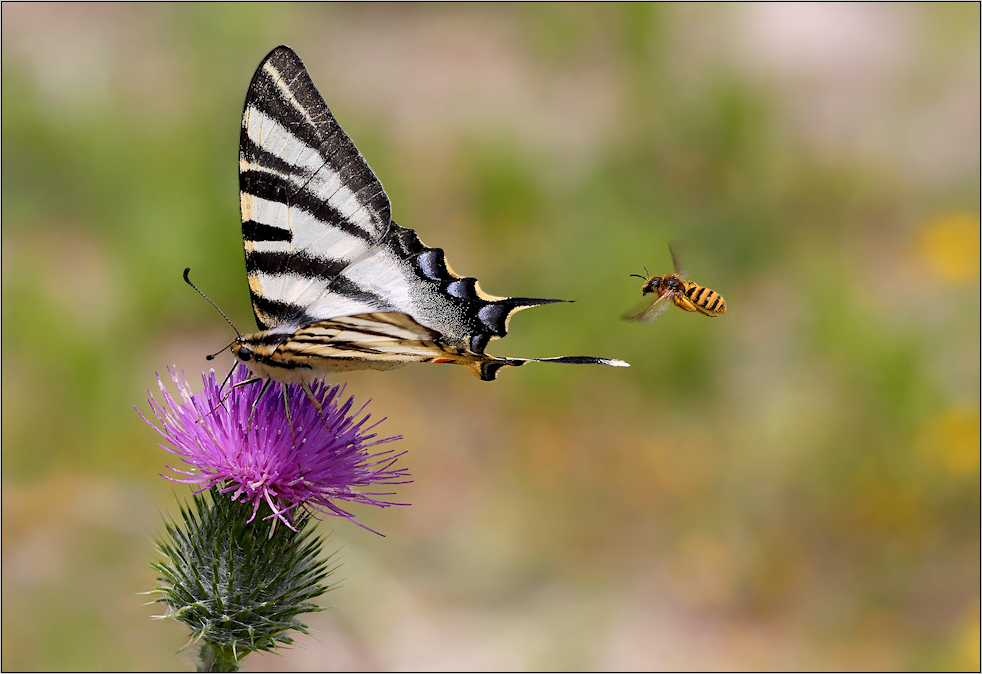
246	351
258	349
241	350
269	355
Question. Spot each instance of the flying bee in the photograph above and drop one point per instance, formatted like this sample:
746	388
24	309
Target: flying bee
684	294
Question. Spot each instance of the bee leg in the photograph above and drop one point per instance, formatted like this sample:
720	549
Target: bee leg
317	403
683	302
252	412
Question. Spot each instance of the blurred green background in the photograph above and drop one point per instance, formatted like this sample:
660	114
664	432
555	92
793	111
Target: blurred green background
794	485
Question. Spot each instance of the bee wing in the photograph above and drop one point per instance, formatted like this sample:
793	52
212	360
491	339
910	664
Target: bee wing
648	310
674	247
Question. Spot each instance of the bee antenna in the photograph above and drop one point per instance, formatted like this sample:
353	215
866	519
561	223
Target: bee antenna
187	280
640	276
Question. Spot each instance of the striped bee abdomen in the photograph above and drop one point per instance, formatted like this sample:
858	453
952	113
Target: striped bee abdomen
705	301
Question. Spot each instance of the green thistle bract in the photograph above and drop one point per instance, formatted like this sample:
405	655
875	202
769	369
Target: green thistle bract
238	585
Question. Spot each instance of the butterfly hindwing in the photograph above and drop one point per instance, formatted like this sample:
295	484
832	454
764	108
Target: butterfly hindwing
403	274
386	340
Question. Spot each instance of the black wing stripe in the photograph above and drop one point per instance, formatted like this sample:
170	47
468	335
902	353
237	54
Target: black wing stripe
269	186
278	313
292	263
353	292
257	231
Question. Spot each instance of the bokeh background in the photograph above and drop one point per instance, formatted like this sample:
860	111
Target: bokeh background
794	485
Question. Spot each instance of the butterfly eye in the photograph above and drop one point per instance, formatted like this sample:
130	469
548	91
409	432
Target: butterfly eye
244	353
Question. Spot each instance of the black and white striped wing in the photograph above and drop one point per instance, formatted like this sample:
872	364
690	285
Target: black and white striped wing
316	223
310	203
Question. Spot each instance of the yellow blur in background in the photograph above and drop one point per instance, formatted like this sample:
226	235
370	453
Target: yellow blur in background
950	246
793	485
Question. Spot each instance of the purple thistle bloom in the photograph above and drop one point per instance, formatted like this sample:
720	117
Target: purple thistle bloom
312	466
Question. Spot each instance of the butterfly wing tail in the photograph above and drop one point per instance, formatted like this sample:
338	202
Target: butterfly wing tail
487	369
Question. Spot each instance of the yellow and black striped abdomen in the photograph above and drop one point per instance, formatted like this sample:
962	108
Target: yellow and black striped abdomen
703	300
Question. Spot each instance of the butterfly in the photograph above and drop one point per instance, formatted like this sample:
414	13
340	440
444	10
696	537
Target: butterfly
335	284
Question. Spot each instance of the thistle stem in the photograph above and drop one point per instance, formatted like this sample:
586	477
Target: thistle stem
215	658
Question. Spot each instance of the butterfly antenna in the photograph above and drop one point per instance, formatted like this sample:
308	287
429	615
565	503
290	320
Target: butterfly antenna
187	280
221	351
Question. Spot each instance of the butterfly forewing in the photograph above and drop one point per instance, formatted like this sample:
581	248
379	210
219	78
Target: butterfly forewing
310	203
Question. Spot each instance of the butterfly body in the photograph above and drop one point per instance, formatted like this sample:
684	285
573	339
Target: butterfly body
336	285
341	344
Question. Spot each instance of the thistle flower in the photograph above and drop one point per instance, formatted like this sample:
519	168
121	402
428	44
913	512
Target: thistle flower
238	581
258	454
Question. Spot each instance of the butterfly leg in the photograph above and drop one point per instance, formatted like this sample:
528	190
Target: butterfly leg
252	412
286	406
317	403
221	403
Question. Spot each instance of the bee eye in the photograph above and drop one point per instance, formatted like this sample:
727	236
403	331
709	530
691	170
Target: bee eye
244	353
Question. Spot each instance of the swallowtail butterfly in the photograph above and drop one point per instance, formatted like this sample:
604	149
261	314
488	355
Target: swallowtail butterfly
336	284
